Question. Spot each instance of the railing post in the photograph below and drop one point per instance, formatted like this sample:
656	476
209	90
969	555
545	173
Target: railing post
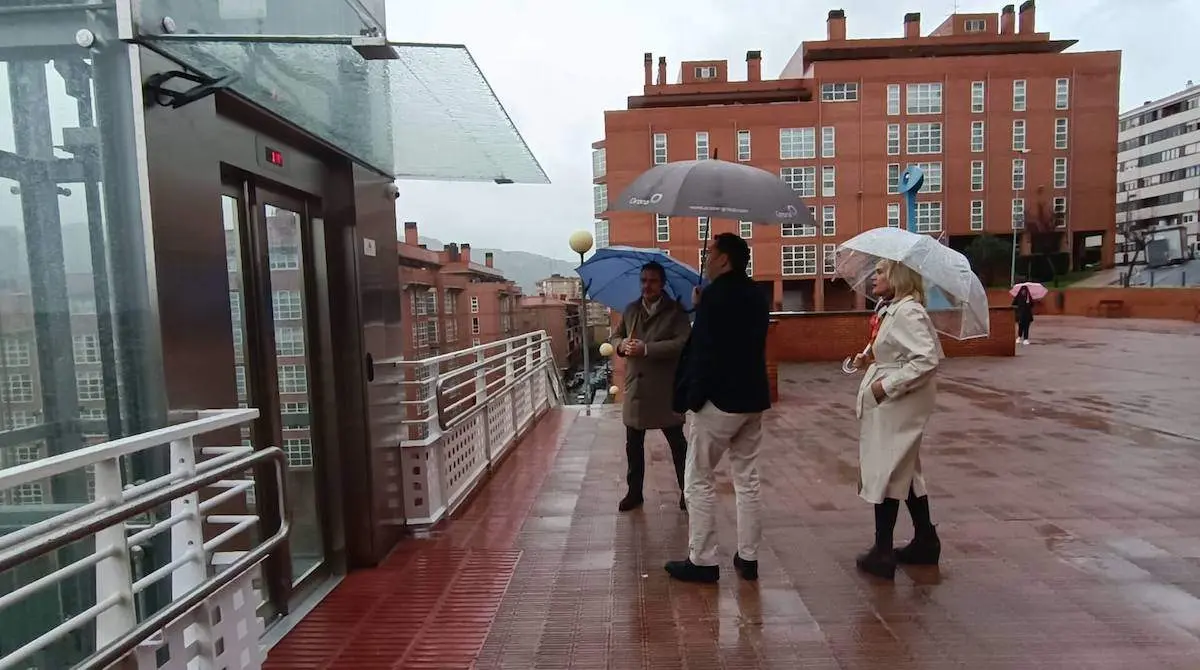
510	370
187	535
113	575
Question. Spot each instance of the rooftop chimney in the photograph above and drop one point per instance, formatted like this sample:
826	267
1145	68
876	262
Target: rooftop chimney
489	259
452	254
753	66
1027	18
466	252
835	25
662	70
1008	20
912	25
649	67
410	233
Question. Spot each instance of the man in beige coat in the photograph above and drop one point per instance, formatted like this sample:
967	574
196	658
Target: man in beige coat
650	338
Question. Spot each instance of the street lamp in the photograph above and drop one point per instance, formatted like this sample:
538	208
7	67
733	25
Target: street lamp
581	243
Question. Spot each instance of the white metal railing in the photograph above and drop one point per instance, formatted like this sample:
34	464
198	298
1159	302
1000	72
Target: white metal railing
202	503
460	413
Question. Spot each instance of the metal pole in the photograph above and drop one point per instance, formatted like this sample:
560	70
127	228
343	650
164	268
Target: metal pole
583	323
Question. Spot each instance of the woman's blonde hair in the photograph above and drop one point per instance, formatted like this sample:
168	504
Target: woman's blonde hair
904	281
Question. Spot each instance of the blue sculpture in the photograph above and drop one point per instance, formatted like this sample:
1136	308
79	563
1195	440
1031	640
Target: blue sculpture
911	181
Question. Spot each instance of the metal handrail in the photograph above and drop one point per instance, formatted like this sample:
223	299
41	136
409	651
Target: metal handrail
451	355
445	425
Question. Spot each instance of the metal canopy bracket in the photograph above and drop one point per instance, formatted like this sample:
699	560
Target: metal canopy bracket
205	86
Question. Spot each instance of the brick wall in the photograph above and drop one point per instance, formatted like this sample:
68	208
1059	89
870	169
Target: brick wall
1137	303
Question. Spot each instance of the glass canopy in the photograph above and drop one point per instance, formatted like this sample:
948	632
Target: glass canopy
425	112
259	17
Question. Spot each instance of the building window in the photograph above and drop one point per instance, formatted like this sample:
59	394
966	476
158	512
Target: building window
706	72
474	325
794	229
600	198
425	333
797	143
893	178
743	138
976	175
924	98
1060	173
893	215
1060	212
978	97
1018	135
829	220
802	179
450	303
976	215
451	330
293	379
1018	174
828	142
601	226
933	177
20	388
284	257
289	341
750	263
298	451
829	258
660	148
1018	213
702	228
893	139
746	229
17	352
893	99
474	304
89	385
424	302
599	163
1018	95
701	253
1060	133
977	136
929	217
974	25
702	153
662	228
924	138
799	259
1062	93
828	181
287	305
842	92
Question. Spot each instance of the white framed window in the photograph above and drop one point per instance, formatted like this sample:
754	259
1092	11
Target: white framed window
1018	213
293	379
474	325
1018	135
923	98
284	257
929	217
797	143
840	92
601	226
1060	212
893	99
976	215
287	305
89	385
660	148
1018	174
893	178
450	302
289	341
977	136
924	138
802	179
599	163
701	253
706	72
978	97
828	181
424	302
17	352
798	259
893	215
474	304
1060	173
933	177
974	25
828	142
19	388
976	175
1060	133
893	139
1062	93
1018	98
600	198
239	373
298	450
662	228
750	263
829	220
702	153
794	229
829	258
743	144
745	229
475	341
703	229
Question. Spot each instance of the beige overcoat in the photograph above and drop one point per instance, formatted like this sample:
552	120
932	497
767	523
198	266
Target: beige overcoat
907	352
650	379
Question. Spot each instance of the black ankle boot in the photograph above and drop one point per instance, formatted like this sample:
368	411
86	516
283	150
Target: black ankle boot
925	549
878	562
747	570
630	501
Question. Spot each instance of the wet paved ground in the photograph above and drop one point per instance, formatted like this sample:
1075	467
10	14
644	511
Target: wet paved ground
1064	482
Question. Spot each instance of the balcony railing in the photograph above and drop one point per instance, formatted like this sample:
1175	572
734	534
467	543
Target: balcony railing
461	413
203	508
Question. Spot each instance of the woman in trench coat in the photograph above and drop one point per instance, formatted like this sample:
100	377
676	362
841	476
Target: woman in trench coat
895	399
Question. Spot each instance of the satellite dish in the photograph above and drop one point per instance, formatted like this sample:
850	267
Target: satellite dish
912	179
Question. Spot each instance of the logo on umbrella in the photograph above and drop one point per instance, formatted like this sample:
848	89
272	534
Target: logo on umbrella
788	212
641	202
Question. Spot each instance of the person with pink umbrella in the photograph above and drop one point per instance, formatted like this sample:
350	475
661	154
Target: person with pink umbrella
1024	295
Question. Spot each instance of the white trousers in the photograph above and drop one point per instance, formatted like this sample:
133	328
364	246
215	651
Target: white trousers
713	433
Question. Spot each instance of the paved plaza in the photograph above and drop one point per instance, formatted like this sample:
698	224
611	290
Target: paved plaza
1065	482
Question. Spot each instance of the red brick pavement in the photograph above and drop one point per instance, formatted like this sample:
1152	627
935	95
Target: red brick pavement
1064	483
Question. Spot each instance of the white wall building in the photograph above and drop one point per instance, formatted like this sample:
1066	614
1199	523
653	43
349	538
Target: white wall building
1158	173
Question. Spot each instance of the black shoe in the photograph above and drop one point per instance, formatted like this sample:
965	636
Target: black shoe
925	549
687	571
878	562
630	502
682	502
747	570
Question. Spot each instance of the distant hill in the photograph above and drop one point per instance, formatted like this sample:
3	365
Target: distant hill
522	267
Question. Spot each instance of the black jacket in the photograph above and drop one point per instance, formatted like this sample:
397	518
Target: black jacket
725	358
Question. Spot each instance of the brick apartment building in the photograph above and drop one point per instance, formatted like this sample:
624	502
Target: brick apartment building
1007	127
560	319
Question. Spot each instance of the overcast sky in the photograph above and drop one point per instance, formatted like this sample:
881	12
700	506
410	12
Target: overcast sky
556	65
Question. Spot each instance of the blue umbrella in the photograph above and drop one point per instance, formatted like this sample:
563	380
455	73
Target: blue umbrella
612	276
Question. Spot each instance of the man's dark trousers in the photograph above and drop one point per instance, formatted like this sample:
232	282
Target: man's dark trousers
635	454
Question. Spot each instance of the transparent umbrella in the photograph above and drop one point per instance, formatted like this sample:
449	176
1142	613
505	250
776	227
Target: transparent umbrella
955	298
